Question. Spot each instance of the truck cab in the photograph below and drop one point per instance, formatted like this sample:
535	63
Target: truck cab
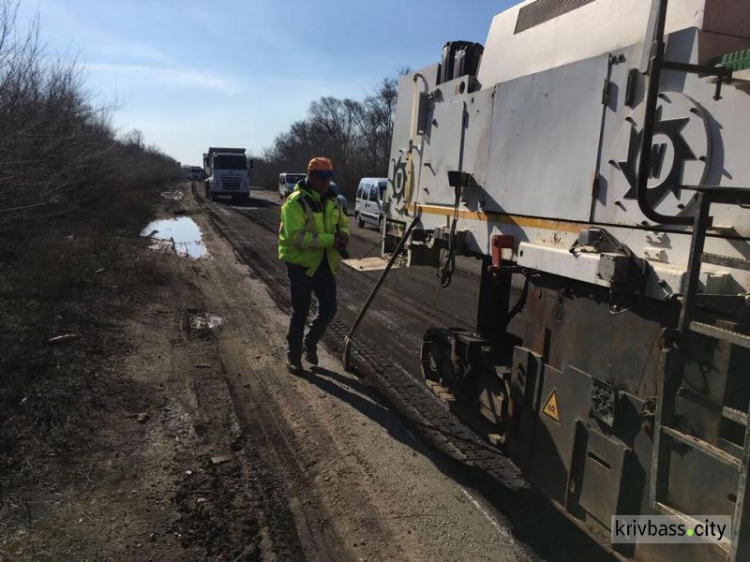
227	173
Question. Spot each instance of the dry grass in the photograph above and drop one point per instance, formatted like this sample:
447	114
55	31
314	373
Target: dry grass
75	278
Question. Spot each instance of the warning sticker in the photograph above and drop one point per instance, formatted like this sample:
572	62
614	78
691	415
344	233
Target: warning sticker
551	409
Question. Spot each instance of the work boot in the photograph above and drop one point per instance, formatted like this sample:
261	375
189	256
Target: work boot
294	364
311	355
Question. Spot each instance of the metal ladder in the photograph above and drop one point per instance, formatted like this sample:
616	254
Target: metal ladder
671	370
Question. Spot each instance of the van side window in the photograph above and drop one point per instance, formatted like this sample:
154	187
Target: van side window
359	192
373	193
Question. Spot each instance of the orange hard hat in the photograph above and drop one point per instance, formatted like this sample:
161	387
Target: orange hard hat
320	164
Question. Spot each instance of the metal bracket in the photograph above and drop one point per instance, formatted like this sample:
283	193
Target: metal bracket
500	242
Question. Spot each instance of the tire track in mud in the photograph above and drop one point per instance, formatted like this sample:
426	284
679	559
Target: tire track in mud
536	521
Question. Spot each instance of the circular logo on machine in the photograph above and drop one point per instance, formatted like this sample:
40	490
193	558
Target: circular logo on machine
680	154
398	179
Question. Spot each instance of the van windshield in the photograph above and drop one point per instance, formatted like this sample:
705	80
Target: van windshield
294	179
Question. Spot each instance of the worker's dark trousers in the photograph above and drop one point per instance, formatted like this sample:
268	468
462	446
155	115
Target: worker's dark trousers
323	284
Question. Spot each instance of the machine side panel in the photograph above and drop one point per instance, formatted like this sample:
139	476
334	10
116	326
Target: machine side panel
545	136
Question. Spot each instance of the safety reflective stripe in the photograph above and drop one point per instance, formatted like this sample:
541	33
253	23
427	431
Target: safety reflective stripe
309	217
300	238
309	225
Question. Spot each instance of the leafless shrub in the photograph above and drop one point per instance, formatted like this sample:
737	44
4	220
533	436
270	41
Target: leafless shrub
69	186
59	154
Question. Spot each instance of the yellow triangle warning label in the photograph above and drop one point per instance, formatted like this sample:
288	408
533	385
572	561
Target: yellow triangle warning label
551	409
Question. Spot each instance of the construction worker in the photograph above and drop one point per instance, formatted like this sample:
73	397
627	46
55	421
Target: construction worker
314	231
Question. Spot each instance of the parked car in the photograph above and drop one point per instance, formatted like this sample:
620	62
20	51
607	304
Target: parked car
342	199
196	173
287	181
368	204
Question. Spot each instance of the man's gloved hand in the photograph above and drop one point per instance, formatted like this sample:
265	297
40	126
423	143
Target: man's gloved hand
340	242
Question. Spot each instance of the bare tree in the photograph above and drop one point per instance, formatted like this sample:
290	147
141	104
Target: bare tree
355	134
58	152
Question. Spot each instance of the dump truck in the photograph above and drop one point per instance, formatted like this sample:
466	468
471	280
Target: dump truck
593	154
228	173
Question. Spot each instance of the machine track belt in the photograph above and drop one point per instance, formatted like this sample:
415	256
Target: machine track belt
408	395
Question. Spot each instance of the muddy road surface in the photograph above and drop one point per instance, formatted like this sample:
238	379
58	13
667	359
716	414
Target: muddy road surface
201	446
386	355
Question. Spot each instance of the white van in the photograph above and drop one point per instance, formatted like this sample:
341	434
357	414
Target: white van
368	204
287	183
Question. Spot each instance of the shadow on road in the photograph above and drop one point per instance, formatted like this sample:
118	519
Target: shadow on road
360	397
534	521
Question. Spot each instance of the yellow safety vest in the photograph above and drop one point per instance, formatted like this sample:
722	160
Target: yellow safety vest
309	223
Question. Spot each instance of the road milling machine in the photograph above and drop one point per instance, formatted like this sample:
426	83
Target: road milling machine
595	154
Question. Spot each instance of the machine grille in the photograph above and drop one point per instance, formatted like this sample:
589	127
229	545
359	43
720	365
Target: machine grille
545	10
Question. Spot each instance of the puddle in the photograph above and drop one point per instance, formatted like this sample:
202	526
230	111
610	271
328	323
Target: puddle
182	234
173	195
205	322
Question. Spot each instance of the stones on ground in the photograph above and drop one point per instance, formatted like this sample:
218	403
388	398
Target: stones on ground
220	459
143	417
203	366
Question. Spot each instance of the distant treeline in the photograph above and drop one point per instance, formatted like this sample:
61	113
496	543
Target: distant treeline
356	135
59	153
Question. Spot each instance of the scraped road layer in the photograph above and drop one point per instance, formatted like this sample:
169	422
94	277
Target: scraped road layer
391	494
357	482
210	450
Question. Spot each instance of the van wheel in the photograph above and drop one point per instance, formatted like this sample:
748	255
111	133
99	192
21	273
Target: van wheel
360	222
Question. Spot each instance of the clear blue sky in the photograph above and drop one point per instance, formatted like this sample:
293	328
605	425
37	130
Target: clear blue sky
194	73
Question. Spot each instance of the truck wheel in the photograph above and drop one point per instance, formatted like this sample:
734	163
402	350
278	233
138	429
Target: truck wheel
360	222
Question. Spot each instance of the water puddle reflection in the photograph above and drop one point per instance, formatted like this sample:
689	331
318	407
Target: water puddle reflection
182	234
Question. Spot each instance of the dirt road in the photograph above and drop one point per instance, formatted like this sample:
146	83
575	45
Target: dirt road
210	450
387	351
